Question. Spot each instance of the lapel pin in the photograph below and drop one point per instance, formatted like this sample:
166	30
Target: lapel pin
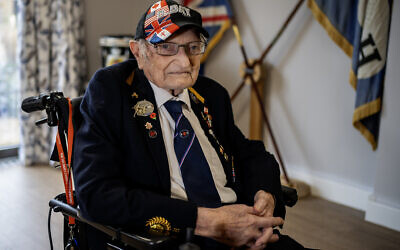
203	115
148	125
194	98
135	95
143	108
209	118
226	157
152	133
184	133
153	116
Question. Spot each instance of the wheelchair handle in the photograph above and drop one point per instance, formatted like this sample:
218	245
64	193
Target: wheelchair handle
41	102
34	103
60	206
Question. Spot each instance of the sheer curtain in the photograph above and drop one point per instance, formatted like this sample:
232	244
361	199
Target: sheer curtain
52	57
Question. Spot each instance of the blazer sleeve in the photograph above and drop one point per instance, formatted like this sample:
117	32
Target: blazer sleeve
104	193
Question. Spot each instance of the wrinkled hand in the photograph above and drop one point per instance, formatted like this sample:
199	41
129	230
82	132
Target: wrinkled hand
264	205
235	225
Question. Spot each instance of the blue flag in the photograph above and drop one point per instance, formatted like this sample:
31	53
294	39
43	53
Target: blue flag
216	15
361	29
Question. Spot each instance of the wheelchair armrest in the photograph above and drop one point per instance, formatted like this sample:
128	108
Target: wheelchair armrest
290	196
132	240
140	241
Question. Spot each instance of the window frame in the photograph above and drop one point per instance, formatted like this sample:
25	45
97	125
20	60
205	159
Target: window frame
11	150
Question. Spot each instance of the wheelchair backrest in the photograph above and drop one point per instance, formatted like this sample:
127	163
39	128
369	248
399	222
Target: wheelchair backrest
76	112
63	117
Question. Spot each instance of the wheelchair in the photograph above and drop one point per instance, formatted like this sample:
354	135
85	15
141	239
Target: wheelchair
65	114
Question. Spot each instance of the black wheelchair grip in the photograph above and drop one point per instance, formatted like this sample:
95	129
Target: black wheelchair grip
63	207
290	196
33	103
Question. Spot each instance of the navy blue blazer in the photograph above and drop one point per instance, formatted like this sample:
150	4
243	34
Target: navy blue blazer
121	169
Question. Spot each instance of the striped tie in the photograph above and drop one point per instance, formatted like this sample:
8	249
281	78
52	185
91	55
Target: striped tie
196	174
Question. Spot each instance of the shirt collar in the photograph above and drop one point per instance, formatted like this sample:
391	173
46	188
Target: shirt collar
162	95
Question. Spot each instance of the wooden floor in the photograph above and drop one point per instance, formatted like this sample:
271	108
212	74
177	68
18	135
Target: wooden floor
24	196
315	223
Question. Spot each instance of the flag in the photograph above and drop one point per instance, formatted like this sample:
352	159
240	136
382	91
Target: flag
158	17
361	29
216	16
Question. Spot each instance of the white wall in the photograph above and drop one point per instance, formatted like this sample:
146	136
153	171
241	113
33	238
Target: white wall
105	17
308	99
386	187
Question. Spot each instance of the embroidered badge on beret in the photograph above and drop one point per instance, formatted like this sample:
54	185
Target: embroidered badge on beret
158	25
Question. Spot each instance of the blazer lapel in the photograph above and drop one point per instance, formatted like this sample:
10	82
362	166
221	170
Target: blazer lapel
143	101
200	108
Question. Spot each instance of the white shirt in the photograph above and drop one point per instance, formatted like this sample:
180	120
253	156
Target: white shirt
167	123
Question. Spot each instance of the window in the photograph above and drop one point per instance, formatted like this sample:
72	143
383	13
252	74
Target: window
9	83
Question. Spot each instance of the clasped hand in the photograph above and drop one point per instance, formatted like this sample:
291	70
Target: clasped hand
241	225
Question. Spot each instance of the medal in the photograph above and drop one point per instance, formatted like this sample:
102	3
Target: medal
233	172
143	108
209	123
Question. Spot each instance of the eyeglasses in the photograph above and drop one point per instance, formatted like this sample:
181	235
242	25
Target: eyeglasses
170	49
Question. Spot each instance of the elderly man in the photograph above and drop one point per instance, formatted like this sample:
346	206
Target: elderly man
158	146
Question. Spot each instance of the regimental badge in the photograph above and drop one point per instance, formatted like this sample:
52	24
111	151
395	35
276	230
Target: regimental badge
143	108
159	226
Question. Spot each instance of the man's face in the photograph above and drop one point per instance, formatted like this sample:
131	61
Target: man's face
175	72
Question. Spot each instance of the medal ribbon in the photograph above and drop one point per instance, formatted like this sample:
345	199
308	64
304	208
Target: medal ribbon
66	166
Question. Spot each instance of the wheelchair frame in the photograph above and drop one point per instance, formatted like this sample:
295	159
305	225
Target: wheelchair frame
59	109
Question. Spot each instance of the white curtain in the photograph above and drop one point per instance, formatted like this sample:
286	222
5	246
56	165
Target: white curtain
52	57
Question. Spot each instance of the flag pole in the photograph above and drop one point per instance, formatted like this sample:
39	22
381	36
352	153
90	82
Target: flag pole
268	48
253	83
280	32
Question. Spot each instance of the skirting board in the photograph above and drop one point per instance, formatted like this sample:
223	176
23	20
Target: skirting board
351	196
334	191
383	215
